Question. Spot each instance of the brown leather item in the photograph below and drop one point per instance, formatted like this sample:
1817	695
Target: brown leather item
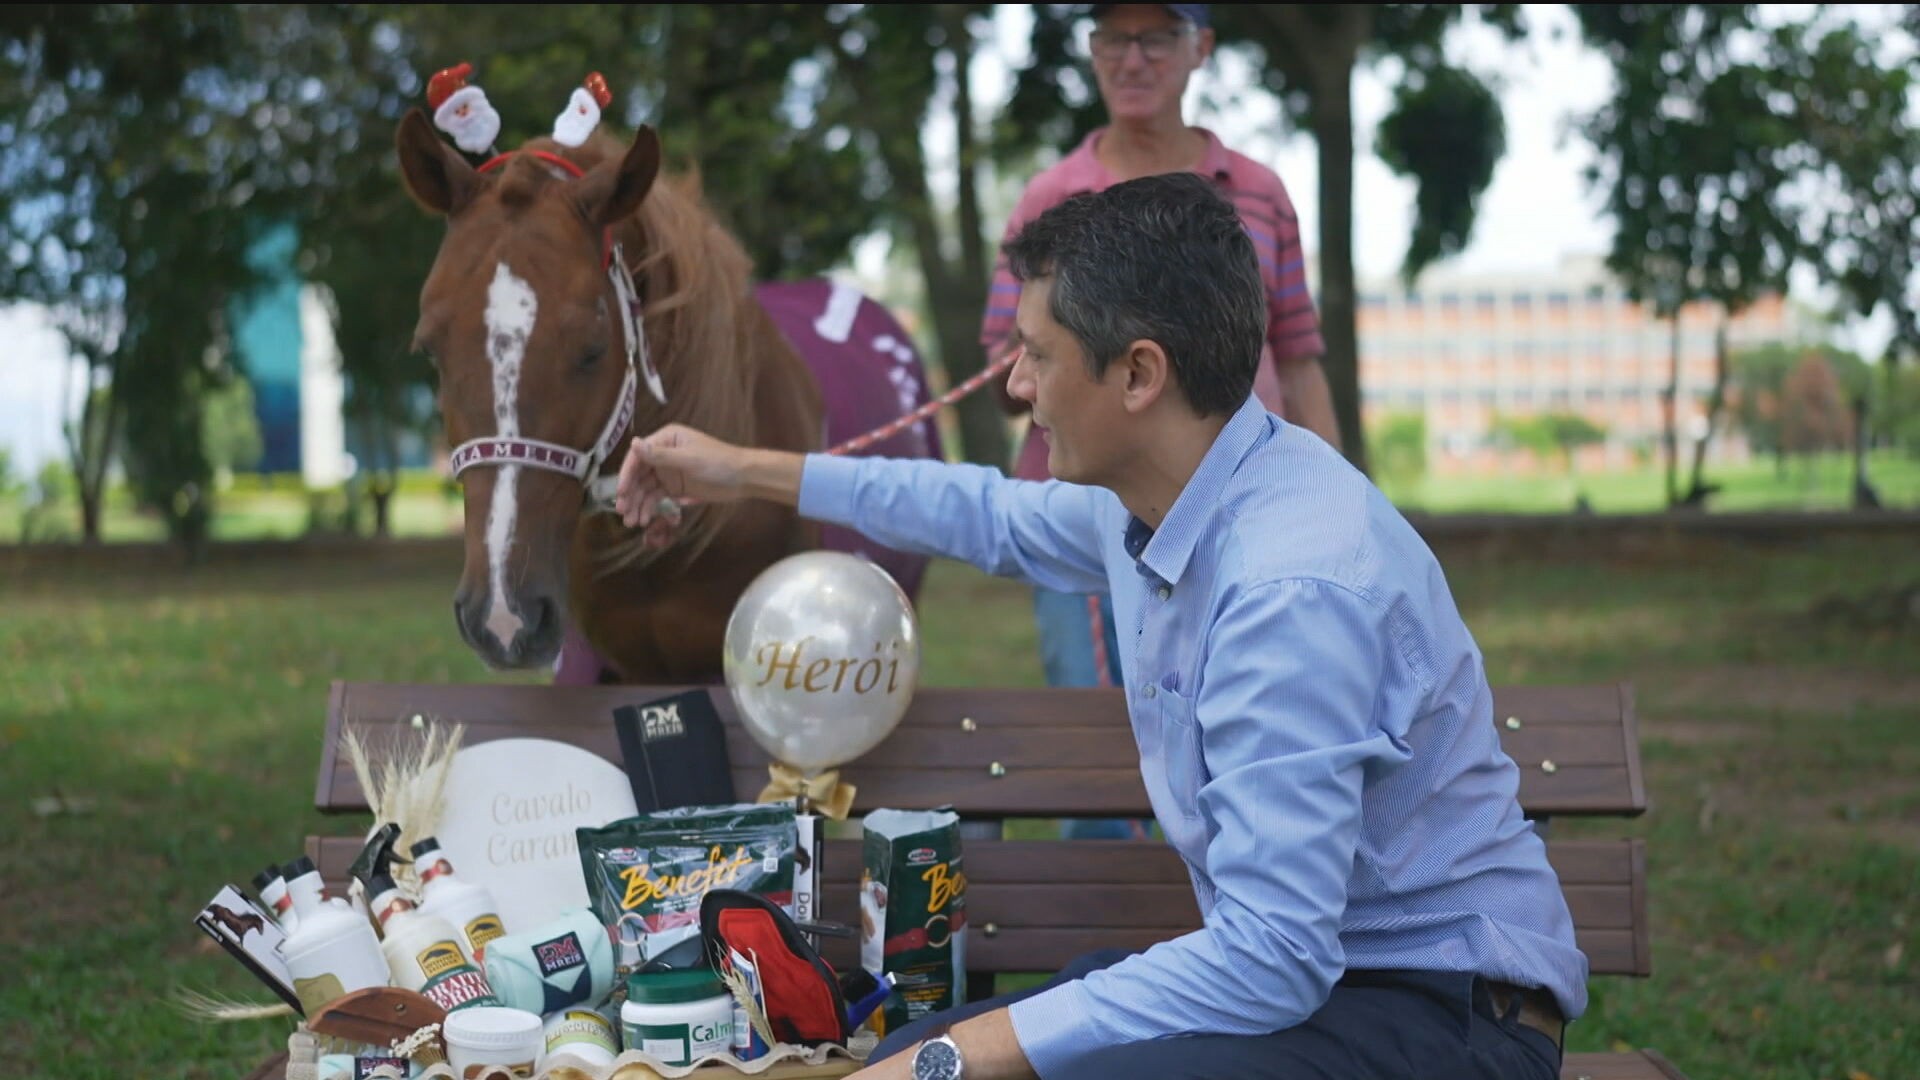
1538	1009
378	1015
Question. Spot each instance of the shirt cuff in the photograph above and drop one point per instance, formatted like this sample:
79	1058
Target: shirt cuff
827	486
1055	1027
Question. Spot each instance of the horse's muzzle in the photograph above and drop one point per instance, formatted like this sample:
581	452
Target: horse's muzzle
513	633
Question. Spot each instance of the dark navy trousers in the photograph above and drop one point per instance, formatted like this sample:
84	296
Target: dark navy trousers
1376	1025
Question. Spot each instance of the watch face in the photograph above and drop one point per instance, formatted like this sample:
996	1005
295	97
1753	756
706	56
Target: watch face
936	1061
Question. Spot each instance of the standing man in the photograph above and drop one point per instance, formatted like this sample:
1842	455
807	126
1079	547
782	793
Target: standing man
1143	57
1313	718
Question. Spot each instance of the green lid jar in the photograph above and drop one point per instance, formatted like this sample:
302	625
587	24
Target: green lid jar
677	1017
674	987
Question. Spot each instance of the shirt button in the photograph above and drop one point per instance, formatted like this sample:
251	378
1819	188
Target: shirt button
1151	690
1164	591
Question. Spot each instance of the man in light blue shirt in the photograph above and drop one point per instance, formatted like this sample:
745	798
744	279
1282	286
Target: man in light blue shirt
1313	718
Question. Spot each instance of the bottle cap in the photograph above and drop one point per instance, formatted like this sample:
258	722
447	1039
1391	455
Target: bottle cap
421	847
298	868
265	878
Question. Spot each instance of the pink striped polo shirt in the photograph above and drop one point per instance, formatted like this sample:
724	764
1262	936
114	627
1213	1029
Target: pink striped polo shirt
1293	328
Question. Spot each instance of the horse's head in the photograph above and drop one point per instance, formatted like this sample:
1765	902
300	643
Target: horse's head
527	332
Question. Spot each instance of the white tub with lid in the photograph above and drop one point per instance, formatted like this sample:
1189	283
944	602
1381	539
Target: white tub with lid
483	1037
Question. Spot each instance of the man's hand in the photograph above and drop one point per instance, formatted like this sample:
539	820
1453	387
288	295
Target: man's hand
678	464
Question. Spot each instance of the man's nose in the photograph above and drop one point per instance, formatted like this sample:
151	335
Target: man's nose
1020	380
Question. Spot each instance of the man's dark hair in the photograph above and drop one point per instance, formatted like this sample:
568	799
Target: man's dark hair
1163	258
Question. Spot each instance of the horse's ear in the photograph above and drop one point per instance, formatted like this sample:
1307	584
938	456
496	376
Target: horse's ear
437	176
615	189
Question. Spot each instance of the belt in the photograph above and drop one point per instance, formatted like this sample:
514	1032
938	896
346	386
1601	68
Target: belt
1538	1009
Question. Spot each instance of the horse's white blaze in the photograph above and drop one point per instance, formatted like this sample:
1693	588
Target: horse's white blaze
511	307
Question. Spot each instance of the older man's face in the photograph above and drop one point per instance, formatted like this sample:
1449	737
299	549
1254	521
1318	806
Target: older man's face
1142	59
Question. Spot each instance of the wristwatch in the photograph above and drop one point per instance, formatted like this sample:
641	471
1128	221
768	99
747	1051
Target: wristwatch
938	1058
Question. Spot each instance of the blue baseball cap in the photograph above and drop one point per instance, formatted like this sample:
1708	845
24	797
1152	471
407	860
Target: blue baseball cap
1193	13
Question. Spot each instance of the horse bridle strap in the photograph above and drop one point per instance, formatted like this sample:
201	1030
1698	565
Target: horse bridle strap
583	466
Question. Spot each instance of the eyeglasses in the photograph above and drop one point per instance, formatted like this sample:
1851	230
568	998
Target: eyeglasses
1154	44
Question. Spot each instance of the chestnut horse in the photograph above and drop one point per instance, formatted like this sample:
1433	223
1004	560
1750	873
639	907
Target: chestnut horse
544	380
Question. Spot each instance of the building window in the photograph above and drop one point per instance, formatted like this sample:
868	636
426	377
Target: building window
1485	302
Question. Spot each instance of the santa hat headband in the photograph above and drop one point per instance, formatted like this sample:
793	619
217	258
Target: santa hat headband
462	110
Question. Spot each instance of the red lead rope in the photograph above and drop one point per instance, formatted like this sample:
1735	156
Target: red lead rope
881	434
894	427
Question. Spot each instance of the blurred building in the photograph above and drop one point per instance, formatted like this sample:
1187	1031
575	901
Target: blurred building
283	341
1463	348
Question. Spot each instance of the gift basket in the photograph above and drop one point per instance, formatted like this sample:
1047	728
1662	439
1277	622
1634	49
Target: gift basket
528	909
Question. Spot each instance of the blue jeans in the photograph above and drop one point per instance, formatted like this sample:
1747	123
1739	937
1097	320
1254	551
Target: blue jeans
1067	655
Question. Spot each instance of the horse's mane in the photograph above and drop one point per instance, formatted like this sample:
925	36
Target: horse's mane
695	284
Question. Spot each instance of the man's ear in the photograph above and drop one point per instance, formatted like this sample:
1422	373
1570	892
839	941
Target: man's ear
436	175
1145	373
615	189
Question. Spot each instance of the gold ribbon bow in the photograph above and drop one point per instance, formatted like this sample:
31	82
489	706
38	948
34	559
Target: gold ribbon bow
824	794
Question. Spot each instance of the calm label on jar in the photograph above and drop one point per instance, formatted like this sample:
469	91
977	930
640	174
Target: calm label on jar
677	1017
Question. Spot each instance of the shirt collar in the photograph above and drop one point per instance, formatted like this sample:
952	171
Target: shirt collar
1087	169
1167	550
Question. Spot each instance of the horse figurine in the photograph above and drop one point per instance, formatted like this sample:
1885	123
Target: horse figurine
579	299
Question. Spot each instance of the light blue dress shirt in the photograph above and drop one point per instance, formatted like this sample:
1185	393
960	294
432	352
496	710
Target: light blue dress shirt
1314	722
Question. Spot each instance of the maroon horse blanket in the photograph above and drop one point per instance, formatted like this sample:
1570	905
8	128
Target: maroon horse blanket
869	374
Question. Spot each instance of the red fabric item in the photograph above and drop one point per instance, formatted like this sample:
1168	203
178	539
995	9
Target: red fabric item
800	1005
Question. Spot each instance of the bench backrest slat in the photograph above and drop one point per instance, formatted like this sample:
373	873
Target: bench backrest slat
1034	905
1064	753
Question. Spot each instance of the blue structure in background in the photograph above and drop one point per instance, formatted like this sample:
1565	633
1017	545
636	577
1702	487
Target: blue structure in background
271	350
267	339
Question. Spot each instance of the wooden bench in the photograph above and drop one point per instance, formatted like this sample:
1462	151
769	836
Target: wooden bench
994	755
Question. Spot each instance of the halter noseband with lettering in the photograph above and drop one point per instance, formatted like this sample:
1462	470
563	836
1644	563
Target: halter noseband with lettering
583	466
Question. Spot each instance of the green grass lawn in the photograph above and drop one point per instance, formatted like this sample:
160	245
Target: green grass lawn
279	510
186	710
1823	482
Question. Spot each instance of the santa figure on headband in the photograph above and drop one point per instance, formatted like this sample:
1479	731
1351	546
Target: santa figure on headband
582	115
463	111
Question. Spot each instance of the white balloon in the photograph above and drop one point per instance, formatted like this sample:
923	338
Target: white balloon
822	657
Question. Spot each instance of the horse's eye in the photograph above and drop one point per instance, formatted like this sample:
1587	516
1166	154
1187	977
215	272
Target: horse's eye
592	358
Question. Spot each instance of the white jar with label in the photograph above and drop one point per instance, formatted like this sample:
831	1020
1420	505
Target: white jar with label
491	1036
582	1033
677	1017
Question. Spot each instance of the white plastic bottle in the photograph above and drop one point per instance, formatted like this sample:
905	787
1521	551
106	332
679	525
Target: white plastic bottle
271	886
424	953
332	952
469	907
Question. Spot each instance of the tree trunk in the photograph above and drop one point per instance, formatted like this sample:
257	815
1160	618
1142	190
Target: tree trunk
956	295
382	505
90	449
1698	490
957	311
1673	417
1864	496
1333	134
